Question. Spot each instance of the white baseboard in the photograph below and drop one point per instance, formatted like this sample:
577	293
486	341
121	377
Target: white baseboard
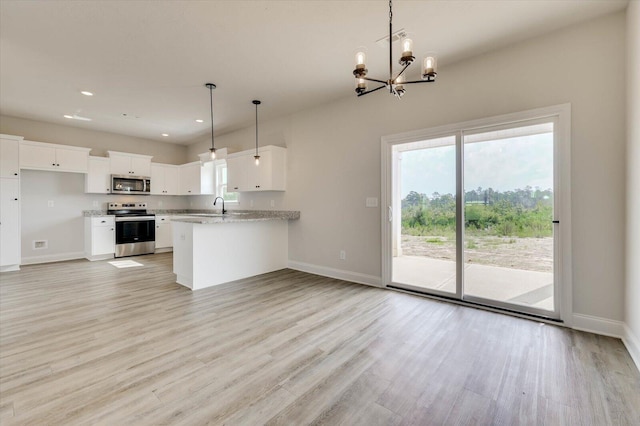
9	268
632	342
340	274
598	325
52	258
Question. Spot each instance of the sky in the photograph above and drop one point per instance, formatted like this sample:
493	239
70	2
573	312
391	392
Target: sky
503	165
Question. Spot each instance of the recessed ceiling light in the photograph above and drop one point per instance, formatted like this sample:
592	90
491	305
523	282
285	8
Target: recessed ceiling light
84	92
165	134
76	117
199	121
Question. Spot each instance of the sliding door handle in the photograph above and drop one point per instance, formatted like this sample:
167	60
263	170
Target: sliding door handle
390	214
555	221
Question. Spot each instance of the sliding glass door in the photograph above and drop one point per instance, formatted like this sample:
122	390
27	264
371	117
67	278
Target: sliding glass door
424	237
472	215
508	216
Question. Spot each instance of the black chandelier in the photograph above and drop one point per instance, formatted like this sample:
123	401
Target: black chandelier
395	84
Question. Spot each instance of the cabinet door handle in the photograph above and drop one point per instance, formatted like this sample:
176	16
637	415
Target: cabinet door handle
103	221
15	199
15	174
58	165
53	164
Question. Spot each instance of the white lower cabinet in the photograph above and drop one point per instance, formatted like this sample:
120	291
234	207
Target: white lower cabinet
9	224
99	237
164	236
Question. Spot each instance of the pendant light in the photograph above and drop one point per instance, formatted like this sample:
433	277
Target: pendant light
212	150
257	157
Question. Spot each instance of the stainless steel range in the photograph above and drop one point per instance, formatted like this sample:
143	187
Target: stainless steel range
135	229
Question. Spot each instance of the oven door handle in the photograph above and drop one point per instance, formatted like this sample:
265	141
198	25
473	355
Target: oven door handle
135	219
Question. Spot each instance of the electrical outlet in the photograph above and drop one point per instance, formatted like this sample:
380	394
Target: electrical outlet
96	203
371	202
343	255
51	203
159	203
250	203
273	203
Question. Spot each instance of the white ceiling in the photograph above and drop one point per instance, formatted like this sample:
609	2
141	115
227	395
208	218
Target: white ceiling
151	59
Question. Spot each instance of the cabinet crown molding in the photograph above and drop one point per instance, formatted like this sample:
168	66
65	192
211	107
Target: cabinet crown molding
260	149
12	137
55	145
127	154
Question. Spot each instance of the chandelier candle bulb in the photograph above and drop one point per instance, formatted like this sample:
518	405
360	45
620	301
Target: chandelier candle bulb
360	70
429	67
361	83
407	47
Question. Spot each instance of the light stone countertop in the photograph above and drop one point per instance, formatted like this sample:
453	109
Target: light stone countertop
237	216
214	216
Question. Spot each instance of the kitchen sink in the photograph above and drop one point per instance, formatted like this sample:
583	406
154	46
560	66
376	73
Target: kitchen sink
217	214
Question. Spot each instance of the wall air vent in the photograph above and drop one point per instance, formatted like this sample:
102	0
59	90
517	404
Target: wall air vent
40	244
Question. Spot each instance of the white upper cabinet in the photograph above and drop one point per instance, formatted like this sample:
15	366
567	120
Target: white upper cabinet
123	163
270	175
197	178
46	156
98	179
237	173
9	156
164	179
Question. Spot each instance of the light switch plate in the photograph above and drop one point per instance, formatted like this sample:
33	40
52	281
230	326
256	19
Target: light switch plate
371	202
51	203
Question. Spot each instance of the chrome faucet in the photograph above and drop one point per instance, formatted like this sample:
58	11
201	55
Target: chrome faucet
216	200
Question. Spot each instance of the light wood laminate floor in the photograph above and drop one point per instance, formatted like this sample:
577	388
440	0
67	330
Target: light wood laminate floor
87	343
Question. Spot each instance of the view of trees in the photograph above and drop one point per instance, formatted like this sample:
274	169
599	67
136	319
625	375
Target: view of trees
524	212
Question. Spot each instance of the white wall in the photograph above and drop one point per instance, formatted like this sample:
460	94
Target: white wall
63	224
334	151
632	298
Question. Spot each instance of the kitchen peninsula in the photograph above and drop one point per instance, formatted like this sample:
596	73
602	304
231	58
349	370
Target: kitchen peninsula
211	249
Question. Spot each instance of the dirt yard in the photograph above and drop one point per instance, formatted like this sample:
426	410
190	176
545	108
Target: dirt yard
531	254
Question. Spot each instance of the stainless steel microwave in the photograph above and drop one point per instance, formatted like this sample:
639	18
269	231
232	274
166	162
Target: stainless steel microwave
126	184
